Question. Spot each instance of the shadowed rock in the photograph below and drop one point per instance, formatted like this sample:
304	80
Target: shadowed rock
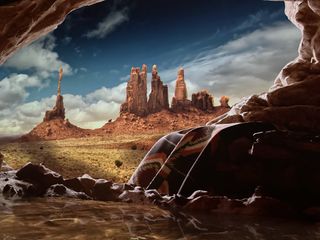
26	21
203	101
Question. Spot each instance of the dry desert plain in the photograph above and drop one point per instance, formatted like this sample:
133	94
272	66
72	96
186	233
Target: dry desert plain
96	156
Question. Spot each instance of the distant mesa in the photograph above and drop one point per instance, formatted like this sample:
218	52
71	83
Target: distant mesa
138	113
138	104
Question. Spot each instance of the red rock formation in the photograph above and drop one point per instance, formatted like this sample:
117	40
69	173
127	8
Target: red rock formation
203	101
180	100
23	22
54	125
180	92
158	98
136	101
58	112
224	101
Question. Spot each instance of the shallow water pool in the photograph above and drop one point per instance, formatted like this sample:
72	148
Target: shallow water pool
58	218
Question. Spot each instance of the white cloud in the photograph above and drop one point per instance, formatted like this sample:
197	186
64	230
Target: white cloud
89	111
243	66
239	68
116	94
13	89
109	24
39	56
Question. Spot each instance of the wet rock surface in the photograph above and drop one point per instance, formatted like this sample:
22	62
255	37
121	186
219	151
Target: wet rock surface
276	174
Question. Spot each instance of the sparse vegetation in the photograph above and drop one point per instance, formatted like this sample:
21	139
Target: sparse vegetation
109	157
118	163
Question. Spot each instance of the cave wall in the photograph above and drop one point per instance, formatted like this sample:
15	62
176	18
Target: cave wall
293	102
24	21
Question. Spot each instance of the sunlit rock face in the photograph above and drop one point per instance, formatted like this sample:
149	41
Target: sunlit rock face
293	102
158	98
180	100
25	21
136	101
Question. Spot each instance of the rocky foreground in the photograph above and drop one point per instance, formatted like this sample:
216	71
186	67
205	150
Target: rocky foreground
287	165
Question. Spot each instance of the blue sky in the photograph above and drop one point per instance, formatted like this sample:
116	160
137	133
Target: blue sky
233	48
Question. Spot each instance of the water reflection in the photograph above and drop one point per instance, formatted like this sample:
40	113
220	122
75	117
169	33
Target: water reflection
74	219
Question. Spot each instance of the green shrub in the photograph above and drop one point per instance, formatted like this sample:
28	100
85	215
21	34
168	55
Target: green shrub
118	163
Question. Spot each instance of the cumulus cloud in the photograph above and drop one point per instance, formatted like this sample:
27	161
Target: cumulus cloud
13	89
116	94
243	66
89	111
39	56
109	24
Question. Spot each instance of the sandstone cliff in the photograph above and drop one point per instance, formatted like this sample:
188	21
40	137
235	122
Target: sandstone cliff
58	112
180	100
158	98
224	102
203	101
136	101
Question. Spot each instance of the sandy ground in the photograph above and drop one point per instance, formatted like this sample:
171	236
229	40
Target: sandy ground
74	157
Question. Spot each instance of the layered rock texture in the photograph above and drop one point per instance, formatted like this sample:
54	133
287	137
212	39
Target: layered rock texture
293	102
203	100
25	21
58	112
180	101
158	98
136	101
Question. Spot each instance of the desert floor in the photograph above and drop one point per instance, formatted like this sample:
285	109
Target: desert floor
74	157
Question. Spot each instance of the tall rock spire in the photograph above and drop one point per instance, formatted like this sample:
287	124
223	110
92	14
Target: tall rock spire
59	81
58	112
180	92
136	101
180	100
158	98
